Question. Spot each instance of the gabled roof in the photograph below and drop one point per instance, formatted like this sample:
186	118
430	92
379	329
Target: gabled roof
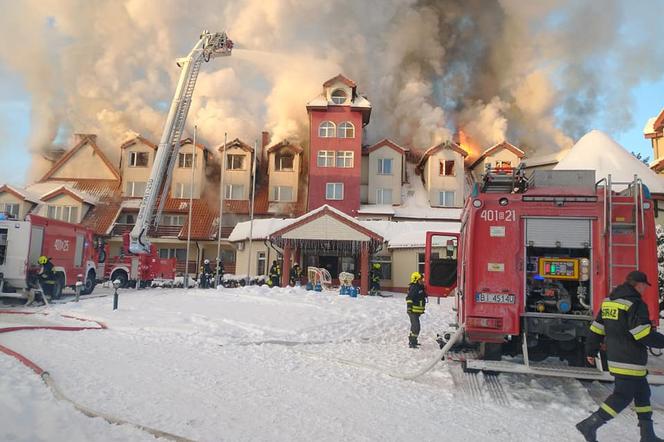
138	139
236	143
655	126
65	190
20	193
326	210
345	80
284	144
495	148
85	139
189	140
434	149
385	142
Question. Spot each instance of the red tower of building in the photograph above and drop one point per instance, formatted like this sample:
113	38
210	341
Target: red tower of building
336	119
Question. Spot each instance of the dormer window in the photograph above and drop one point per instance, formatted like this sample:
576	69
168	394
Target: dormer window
185	160
346	130
339	96
284	162
235	162
327	129
138	159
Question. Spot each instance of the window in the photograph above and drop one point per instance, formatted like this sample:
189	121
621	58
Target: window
383	196
348	264
284	162
235	162
172	220
183	190
384	166
63	213
234	192
447	168
327	129
503	164
10	209
345	158
126	218
282	193
178	254
325	158
135	188
261	263
346	130
446	198
185	160
385	266
138	159
334	191
78	251
420	260
339	96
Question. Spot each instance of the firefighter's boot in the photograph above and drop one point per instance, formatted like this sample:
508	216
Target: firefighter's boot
412	342
648	432
588	427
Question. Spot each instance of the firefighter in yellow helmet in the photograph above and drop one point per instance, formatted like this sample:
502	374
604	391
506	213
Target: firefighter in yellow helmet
46	276
415	304
374	279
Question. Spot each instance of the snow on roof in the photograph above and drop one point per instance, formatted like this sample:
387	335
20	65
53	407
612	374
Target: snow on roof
596	150
650	126
541	160
134	203
262	228
415	201
47	187
408	234
376	209
25	193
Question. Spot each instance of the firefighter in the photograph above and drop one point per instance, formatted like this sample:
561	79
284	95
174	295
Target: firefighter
295	275
275	274
46	276
623	324
220	271
415	302
374	277
205	274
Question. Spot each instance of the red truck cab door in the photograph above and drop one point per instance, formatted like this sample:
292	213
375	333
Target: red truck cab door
440	263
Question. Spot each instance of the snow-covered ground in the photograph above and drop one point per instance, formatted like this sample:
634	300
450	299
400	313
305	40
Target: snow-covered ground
259	364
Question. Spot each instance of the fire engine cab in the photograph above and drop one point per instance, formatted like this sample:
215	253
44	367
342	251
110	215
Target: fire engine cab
536	256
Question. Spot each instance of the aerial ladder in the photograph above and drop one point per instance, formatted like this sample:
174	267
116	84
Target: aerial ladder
156	190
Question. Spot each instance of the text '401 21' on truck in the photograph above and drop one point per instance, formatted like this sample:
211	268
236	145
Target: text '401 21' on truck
533	261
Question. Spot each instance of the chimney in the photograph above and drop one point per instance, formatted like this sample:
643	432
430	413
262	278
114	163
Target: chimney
265	139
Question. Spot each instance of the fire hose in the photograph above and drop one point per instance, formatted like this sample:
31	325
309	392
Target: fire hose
57	392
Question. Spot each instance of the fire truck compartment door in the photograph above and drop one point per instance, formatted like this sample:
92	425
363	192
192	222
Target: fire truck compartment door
557	232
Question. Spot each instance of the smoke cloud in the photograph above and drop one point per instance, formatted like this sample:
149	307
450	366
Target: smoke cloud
533	73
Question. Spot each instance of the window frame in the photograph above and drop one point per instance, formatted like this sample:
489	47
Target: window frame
228	192
446	168
172	219
183	191
278	166
132	194
334	98
261	258
276	196
334	192
63	213
381	166
342	159
133	157
385	262
184	158
344	128
230	163
443	199
381	191
7	208
326	157
327	129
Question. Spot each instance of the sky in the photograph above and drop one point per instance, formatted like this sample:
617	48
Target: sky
426	66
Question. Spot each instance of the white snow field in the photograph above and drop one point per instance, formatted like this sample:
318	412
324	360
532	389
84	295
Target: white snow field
259	364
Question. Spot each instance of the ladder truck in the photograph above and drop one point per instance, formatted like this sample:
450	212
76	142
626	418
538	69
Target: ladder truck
532	263
156	190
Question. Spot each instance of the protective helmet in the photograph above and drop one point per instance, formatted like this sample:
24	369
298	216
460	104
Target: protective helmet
376	266
42	260
207	261
415	276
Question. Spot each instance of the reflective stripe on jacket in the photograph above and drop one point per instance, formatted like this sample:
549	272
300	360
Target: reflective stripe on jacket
416	299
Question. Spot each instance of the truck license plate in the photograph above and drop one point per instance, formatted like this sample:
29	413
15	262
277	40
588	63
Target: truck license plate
495	298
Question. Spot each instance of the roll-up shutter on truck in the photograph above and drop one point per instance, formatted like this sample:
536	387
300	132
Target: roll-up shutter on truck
557	232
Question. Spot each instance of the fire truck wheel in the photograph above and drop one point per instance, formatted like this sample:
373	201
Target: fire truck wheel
90	282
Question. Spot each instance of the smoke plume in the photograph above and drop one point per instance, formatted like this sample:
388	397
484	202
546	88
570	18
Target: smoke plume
533	73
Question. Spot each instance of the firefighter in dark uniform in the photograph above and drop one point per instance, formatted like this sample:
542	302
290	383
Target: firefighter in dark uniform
205	274
374	277
295	274
275	274
46	276
623	323
220	271
415	304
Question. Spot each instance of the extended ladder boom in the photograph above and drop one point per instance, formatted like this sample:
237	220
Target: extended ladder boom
209	46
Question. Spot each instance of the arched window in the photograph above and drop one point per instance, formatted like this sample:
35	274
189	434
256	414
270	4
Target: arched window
339	96
346	130
327	129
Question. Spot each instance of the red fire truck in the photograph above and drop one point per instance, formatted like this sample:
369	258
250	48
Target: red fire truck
70	247
535	258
